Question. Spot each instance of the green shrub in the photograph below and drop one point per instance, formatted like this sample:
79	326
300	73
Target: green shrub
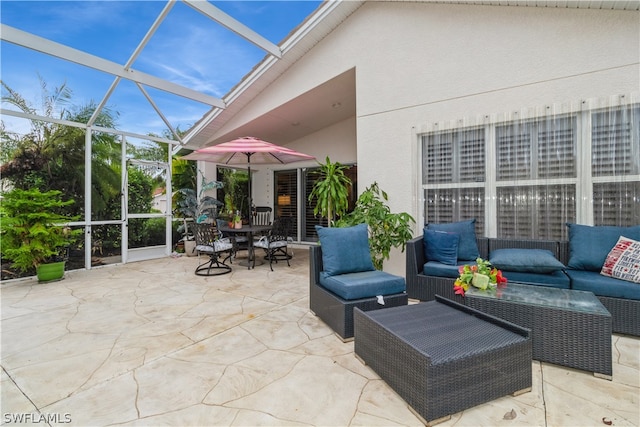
32	230
386	229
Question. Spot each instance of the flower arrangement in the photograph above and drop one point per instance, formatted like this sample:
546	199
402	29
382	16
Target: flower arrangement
482	276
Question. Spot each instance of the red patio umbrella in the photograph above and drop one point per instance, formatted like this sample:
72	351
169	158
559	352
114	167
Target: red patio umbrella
247	150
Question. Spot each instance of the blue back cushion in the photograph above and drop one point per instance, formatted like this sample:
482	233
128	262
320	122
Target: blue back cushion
525	260
589	246
557	279
345	249
467	246
441	246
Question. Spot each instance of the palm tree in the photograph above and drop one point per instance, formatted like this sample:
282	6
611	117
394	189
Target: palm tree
331	190
51	155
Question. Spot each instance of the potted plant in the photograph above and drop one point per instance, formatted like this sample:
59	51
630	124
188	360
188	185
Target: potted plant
386	229
331	190
237	220
33	234
197	209
228	209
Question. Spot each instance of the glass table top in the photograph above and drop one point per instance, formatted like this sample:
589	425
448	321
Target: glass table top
544	296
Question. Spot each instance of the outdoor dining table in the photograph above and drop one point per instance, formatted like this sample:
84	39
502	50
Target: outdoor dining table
249	231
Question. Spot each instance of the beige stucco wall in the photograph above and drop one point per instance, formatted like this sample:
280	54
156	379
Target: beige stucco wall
466	61
419	63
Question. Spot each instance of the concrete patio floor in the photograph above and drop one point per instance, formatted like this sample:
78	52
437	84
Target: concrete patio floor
150	343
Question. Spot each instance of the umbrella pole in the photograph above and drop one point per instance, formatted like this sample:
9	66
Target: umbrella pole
249	170
252	253
250	189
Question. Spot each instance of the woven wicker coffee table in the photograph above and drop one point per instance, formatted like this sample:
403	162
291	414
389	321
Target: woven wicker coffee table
568	328
442	357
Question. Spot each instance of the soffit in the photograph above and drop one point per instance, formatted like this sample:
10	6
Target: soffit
568	4
329	103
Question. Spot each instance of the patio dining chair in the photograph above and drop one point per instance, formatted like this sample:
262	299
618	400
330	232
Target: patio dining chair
275	243
239	241
262	215
208	242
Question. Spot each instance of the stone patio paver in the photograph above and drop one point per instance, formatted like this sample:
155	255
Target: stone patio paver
150	343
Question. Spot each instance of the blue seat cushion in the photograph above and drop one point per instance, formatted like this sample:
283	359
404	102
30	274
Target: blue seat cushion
556	279
602	285
441	246
435	268
363	284
467	246
589	246
345	249
525	260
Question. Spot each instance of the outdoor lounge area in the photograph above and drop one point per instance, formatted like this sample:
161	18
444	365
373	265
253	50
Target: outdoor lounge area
521	117
151	343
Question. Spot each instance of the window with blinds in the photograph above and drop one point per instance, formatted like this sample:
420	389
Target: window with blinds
616	203
310	220
535	212
537	178
556	151
513	151
438	161
615	147
454	156
455	204
538	149
286	198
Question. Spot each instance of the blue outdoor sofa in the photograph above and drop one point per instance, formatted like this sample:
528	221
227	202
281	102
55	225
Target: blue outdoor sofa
573	264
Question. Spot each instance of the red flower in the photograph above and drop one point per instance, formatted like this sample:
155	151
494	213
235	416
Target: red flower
500	279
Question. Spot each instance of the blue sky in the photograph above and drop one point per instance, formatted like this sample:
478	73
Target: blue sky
189	49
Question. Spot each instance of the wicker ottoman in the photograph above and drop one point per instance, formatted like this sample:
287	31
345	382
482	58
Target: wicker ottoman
442	357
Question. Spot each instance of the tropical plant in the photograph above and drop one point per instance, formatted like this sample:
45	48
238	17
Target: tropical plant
51	156
32	230
331	190
198	207
386	229
140	186
235	192
184	173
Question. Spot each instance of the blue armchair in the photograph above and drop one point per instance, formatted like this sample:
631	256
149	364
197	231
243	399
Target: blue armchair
342	277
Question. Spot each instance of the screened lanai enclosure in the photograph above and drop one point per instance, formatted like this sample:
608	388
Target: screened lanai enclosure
118	185
521	173
120	181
